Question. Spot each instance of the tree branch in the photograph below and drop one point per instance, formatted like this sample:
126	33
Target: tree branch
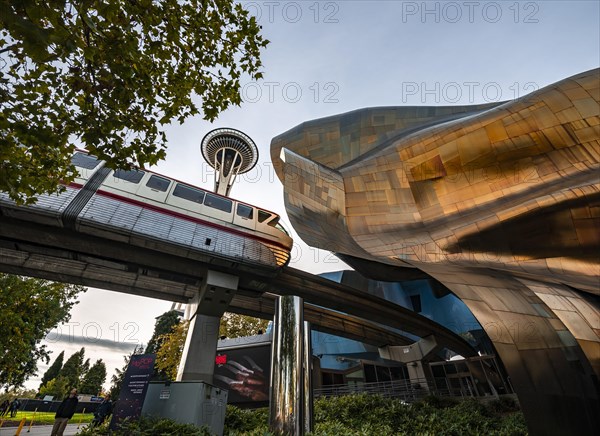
10	47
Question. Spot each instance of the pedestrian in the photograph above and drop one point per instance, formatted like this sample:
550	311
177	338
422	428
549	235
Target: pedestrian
14	407
64	413
103	411
4	407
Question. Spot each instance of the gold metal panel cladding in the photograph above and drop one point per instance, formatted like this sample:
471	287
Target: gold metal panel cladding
499	202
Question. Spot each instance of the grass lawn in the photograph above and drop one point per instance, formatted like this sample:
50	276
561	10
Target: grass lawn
44	418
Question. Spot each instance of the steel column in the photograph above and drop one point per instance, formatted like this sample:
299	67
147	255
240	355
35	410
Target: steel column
287	386
308	388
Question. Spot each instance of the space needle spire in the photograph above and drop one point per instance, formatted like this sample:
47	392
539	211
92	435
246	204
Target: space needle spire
230	152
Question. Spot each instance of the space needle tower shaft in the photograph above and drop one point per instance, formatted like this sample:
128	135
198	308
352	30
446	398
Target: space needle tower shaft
230	152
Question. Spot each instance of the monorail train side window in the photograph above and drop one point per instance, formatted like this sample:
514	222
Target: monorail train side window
263	216
245	211
133	176
158	183
218	203
189	193
84	161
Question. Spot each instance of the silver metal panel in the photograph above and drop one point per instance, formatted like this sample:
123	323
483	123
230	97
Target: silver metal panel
135	220
154	224
107	211
47	210
182	233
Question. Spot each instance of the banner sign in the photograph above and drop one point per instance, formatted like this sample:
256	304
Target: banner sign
245	373
133	389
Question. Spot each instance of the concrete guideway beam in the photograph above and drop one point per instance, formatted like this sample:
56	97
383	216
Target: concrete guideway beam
336	296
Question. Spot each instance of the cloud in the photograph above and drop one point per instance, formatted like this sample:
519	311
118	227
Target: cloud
89	342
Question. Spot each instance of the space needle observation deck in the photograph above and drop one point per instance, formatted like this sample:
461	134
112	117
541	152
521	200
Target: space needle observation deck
230	152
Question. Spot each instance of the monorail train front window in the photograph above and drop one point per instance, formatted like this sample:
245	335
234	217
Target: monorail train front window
132	176
274	222
245	211
263	216
281	228
217	202
189	193
158	183
84	161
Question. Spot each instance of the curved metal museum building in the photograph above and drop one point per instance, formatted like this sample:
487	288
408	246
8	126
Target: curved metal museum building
499	202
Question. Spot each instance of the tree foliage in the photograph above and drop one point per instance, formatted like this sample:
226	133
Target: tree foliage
163	326
94	379
169	353
17	393
54	369
29	309
73	369
110	75
234	325
57	387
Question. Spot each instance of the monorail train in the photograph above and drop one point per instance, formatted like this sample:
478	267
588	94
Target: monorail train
139	205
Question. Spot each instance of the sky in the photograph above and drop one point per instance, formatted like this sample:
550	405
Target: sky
331	57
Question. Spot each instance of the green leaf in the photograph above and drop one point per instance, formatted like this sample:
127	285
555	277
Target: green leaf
109	75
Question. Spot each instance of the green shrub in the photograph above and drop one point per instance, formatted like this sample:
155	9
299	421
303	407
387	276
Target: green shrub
373	415
439	402
147	426
355	410
336	428
241	421
331	428
88	430
472	406
513	424
503	405
362	415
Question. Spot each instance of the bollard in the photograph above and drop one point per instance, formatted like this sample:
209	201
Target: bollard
18	432
32	419
80	418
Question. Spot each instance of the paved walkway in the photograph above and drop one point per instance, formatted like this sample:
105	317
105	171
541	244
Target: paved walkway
39	430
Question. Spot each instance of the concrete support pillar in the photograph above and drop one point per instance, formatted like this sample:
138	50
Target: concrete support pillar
288	397
417	375
205	311
198	358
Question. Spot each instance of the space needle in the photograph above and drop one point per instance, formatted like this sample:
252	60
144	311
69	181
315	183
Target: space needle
230	152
